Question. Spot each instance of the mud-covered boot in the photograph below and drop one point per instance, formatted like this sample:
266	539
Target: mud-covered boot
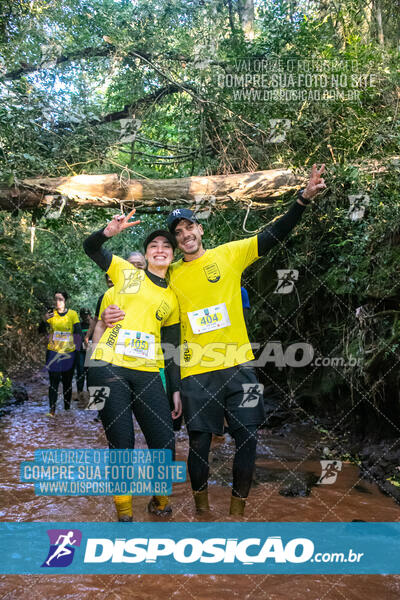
123	504
237	506
159	505
201	500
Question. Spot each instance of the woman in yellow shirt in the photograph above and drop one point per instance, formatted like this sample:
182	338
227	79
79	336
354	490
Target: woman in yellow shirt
64	340
127	360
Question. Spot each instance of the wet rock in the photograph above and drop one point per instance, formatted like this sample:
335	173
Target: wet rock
390	490
286	429
263	475
276	411
19	394
380	462
374	472
367	452
361	488
298	484
275	415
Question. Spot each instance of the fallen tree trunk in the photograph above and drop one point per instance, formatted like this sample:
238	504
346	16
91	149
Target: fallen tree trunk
113	190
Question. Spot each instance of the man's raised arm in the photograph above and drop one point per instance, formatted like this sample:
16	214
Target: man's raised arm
270	236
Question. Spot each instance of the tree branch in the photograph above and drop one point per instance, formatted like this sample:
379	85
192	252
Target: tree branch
111	189
129	109
86	53
25	69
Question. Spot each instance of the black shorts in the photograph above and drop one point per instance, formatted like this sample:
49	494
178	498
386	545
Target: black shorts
233	393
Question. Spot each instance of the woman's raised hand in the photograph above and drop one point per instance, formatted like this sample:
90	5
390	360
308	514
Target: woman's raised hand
119	223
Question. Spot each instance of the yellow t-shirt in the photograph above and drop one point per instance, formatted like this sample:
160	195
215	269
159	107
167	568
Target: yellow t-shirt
134	342
61	334
213	330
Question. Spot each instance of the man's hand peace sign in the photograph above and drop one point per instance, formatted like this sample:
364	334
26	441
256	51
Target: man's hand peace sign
316	183
119	223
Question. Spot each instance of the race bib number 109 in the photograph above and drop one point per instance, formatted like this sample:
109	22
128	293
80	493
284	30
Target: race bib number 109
209	319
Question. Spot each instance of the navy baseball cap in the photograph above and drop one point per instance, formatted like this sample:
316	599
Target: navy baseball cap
165	233
180	213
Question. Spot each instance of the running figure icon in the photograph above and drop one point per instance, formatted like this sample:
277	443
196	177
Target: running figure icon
330	471
98	397
251	394
62	549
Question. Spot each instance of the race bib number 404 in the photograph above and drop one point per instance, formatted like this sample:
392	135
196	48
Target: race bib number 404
209	319
136	344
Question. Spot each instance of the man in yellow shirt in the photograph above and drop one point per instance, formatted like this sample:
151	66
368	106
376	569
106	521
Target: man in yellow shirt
217	379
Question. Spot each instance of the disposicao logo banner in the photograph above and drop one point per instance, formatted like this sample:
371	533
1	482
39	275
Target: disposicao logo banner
208	548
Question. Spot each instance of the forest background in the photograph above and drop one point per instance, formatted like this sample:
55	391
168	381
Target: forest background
155	89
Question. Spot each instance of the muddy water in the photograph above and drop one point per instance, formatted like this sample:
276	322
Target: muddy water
281	461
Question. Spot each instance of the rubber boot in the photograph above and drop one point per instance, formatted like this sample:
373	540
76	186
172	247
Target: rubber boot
159	505
201	500
123	504
237	506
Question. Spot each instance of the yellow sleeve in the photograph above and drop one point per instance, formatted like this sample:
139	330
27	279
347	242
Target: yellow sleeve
74	317
242	253
107	300
173	316
115	270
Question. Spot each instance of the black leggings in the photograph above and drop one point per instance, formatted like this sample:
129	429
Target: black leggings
81	370
55	378
243	462
141	392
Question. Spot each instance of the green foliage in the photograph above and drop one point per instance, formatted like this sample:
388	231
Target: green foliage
74	67
394	480
28	280
124	53
5	388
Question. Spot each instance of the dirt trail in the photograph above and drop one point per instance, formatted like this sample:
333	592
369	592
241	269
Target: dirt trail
25	428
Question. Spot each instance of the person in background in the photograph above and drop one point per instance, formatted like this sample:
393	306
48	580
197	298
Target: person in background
64	338
81	370
137	260
89	334
245	303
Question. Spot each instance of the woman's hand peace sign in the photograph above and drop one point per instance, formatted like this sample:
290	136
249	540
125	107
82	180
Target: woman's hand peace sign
119	223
